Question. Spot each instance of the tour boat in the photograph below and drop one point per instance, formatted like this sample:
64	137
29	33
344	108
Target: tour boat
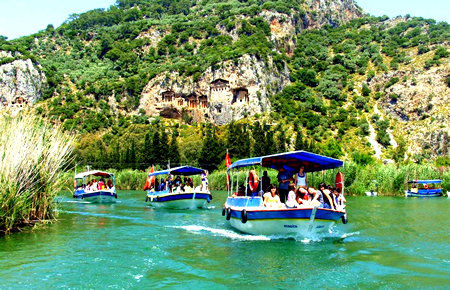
249	215
176	197
424	188
371	193
105	191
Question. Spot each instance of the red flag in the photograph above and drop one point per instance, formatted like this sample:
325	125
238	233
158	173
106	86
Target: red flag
227	160
228	163
150	180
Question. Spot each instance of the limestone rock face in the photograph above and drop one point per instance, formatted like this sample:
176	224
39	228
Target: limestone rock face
239	88
420	101
21	82
231	92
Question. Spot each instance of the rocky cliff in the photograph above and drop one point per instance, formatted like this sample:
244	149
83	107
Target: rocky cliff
246	83
21	81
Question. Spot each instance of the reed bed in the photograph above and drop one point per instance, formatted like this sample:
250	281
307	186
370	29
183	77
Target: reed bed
33	156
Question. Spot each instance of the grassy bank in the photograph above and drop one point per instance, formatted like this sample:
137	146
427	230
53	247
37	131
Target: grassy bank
34	154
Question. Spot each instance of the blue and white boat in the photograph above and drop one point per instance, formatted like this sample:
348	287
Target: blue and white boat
424	188
249	215
176	197
101	192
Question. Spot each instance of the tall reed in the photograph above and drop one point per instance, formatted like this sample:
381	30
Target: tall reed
33	155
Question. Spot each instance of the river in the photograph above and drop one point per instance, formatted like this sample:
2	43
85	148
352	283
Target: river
388	242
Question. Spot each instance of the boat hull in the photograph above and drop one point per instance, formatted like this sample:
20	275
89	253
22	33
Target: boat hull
97	196
180	201
413	194
371	193
302	222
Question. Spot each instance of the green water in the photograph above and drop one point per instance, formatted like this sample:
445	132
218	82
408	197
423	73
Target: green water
389	242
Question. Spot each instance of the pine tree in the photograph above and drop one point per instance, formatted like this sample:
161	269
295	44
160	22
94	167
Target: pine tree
146	154
258	140
174	152
132	160
164	146
281	142
299	145
155	149
244	138
212	153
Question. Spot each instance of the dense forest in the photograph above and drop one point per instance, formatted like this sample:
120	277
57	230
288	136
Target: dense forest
104	57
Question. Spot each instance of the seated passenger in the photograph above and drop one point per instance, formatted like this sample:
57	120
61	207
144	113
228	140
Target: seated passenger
109	184
327	199
240	192
291	201
317	197
272	199
101	184
94	185
265	181
304	197
162	185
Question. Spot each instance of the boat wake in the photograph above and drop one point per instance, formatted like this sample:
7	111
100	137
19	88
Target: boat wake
222	232
313	238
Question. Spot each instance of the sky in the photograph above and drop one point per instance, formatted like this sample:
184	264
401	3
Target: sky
25	17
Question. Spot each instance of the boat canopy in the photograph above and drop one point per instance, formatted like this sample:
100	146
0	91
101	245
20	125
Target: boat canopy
182	170
425	181
94	173
291	161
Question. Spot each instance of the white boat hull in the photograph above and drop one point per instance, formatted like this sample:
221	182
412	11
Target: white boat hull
371	193
283	227
100	199
180	204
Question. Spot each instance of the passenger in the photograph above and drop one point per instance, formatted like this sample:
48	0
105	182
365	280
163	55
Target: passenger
240	192
156	185
94	185
317	200
265	181
101	184
272	199
327	199
204	177
178	184
109	183
88	186
283	179
303	197
301	179
335	197
162	185
291	200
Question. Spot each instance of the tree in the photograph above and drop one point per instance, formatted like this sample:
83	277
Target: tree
299	145
174	152
212	153
258	140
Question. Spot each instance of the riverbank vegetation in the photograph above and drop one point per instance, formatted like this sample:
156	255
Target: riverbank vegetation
34	154
386	179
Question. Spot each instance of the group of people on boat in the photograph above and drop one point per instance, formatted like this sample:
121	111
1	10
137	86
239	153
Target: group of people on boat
292	192
94	185
177	184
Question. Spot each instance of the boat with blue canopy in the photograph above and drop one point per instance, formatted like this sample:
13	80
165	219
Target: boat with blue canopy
247	212
95	186
174	192
424	188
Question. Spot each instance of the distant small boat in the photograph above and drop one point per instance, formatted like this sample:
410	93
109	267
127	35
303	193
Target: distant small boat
424	188
371	193
101	191
174	196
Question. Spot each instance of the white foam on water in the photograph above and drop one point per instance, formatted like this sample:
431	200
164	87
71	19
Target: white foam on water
75	201
138	277
221	232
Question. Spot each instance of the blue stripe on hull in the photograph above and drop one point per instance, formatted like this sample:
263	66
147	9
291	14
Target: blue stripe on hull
413	194
181	197
321	214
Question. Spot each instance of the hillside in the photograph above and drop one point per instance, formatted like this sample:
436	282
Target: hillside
316	75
